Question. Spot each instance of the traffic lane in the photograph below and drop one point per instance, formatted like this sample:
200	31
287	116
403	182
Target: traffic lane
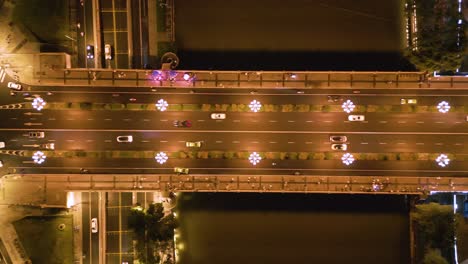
191	96
95	236
86	226
257	141
264	121
89	30
235	166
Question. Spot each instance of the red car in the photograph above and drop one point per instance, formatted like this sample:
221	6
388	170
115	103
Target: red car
185	123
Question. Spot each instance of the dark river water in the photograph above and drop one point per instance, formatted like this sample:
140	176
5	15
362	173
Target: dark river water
290	35
293	228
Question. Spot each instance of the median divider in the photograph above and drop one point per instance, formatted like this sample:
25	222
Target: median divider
244	155
244	108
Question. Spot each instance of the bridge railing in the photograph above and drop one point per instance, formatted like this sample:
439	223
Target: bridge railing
245	79
243	183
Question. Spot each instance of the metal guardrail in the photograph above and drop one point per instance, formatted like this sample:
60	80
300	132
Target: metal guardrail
244	183
246	79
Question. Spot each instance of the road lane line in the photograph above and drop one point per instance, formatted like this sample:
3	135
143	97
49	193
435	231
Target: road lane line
235	120
13	118
108	119
458	144
70	119
255	121
181	141
439	144
440	122
163	141
382	143
401	143
163	120
51	140
309	121
364	143
108	141
235	142
13	140
420	122
70	140
327	121
219	141
272	142
309	142
89	140
291	121
254	142
401	122
201	120
146	120
291	142
144	141
272	121
419	143
239	131
383	122
52	119
90	119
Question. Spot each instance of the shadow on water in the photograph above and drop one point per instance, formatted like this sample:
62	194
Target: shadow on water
293	228
298	61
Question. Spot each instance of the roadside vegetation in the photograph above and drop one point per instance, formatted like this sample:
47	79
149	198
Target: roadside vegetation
44	241
438	42
245	107
435	229
217	154
154	233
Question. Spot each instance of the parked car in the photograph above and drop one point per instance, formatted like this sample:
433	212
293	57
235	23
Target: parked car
108	52
356	118
185	123
339	147
1	163
179	170
195	144
36	134
90	52
218	116
14	86
125	139
2	144
94	225
408	101
338	138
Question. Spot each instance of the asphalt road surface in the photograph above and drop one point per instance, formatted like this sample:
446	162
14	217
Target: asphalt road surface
154	131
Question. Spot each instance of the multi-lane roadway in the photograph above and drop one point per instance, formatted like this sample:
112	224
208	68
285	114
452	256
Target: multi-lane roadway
96	130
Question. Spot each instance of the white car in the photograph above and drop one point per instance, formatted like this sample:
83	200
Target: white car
14	86
94	225
2	144
338	139
343	147
408	101
108	52
125	139
1	163
356	118
196	144
218	116
49	145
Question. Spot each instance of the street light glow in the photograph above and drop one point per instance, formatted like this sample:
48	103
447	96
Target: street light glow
255	106
38	103
254	158
347	159
348	106
162	105
443	107
39	157
161	157
442	160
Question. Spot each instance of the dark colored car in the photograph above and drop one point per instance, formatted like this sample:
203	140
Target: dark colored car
334	98
185	123
90	52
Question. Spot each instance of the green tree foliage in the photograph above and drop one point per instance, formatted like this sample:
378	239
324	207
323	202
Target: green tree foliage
433	256
436	225
151	228
437	30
